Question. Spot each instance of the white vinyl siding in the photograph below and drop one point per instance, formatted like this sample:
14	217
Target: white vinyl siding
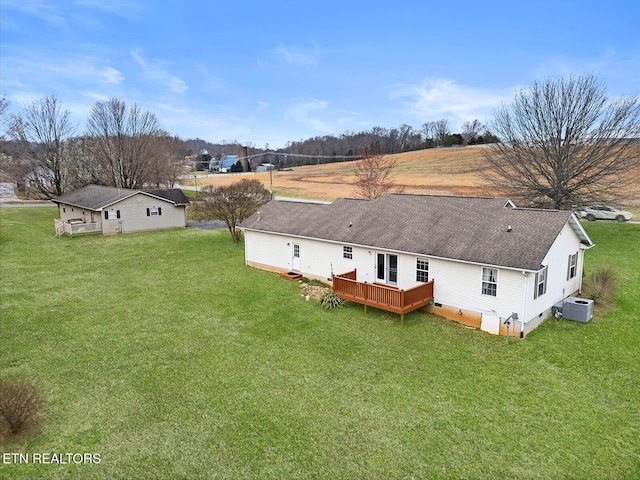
135	215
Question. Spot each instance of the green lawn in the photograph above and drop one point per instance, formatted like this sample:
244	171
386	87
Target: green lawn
167	356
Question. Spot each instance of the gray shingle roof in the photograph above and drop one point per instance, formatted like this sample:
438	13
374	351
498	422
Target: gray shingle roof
173	195
469	229
96	197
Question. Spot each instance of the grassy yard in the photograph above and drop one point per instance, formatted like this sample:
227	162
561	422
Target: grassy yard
167	356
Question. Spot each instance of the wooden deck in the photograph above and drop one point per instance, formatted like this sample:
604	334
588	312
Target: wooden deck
382	296
73	227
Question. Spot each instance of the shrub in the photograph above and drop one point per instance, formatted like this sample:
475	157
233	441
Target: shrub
20	406
330	300
600	285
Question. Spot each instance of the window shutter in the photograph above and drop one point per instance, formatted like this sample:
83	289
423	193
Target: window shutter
535	287
148	213
159	210
546	279
117	213
569	268
106	215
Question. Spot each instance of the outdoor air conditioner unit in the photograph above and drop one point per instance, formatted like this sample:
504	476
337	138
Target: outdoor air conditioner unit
573	308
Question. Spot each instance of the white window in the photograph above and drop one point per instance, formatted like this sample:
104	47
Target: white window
490	281
572	266
422	270
347	252
541	282
154	211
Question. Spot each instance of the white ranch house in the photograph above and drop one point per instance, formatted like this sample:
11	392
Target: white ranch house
484	259
96	208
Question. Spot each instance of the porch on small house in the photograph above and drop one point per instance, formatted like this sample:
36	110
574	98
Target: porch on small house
74	226
384	297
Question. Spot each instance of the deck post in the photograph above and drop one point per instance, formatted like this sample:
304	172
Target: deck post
366	295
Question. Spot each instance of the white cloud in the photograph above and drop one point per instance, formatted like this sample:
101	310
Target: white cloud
318	115
307	114
42	9
296	56
177	85
85	69
156	71
436	98
128	9
62	71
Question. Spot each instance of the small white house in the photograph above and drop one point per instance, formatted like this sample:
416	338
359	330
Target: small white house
489	260
96	208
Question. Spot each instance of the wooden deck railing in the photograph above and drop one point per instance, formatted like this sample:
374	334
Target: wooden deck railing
382	296
66	227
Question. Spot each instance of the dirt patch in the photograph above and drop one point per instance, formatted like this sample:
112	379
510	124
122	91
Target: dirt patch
312	290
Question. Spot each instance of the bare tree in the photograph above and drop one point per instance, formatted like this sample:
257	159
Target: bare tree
169	164
4	106
124	142
85	169
471	130
42	132
375	175
563	142
232	203
441	131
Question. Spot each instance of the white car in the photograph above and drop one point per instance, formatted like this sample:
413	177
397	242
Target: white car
604	212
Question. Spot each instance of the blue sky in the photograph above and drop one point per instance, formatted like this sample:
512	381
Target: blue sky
276	71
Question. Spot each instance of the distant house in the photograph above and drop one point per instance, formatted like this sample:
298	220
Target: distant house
479	261
110	210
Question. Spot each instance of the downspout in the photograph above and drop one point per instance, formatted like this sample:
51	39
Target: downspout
246	248
524	303
581	260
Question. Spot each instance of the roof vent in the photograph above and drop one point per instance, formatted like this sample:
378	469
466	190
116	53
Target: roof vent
350	223
509	228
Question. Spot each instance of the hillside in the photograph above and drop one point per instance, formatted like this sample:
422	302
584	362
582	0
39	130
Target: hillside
442	171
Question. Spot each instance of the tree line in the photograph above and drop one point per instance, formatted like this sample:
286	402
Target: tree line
405	138
123	146
562	142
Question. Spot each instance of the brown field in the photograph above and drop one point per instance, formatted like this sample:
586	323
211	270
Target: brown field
442	171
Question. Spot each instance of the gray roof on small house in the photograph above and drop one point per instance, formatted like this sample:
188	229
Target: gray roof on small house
471	229
96	197
173	195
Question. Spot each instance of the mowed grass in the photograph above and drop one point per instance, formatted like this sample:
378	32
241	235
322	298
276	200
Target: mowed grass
170	358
